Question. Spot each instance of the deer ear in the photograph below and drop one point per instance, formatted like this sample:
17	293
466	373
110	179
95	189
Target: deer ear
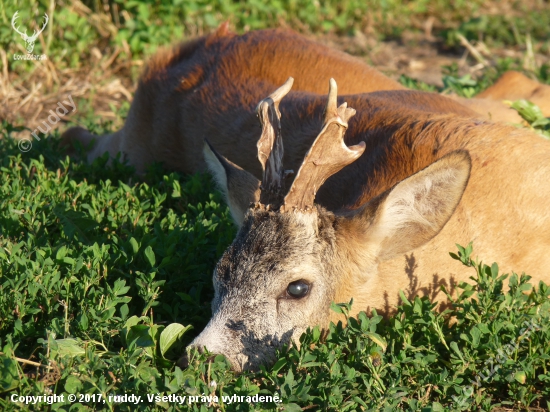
416	209
239	187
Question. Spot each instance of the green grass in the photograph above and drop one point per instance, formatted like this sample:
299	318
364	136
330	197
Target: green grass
102	274
106	277
137	28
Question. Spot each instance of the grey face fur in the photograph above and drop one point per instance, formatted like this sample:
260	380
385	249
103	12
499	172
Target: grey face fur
252	312
335	254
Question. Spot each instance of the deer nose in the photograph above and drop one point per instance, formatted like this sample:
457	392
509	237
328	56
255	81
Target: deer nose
183	362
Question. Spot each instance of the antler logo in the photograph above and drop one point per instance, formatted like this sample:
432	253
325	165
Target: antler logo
29	40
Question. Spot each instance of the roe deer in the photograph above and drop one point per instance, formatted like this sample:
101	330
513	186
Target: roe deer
208	87
412	183
381	224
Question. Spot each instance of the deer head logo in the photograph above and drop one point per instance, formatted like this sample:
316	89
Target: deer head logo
29	40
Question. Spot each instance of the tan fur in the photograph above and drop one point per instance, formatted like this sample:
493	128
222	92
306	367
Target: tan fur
513	85
385	223
502	211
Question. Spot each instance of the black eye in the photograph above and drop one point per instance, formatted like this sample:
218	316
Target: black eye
297	289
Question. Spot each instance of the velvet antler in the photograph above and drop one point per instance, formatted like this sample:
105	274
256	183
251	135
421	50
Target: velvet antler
270	146
327	156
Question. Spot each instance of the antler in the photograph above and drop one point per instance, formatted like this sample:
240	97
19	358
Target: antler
13	19
270	146
25	35
46	20
327	156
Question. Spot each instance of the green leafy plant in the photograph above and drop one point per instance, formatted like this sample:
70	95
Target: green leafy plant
105	279
77	31
532	114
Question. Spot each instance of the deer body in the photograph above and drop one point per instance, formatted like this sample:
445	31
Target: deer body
418	172
346	247
208	87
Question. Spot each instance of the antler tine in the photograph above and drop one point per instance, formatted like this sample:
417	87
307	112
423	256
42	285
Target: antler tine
327	156
36	32
13	21
270	145
46	20
331	107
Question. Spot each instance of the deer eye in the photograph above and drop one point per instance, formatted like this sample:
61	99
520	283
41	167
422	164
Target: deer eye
297	289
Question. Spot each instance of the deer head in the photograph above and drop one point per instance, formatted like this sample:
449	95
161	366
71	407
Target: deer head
29	40
291	257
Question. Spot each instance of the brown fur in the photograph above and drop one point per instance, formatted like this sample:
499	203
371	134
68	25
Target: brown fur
208	87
